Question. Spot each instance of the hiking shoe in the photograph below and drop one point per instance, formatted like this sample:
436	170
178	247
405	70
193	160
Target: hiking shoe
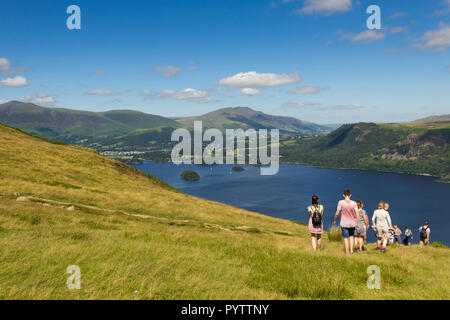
383	250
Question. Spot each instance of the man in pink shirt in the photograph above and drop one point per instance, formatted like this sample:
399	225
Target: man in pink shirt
349	220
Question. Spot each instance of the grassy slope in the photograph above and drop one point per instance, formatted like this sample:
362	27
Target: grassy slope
195	250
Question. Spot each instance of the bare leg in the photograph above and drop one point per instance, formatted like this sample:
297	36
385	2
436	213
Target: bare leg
351	244
313	238
319	241
346	240
361	242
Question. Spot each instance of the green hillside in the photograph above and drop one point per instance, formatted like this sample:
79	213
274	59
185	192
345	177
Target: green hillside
242	117
417	148
134	237
76	126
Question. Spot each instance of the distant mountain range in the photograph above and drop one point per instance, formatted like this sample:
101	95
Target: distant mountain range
243	117
441	118
71	125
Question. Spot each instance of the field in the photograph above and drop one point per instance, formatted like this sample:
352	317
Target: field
134	237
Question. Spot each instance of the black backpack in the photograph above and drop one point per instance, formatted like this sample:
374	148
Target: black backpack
316	217
423	232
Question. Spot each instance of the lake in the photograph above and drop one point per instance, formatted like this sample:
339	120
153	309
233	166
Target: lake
413	199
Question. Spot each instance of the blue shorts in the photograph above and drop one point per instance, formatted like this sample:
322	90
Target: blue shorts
348	232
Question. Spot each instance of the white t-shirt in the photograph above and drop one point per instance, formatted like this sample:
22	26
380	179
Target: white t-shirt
428	229
381	219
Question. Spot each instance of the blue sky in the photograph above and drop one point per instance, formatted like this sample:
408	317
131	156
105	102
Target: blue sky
311	59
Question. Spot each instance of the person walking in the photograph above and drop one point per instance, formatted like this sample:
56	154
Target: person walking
398	235
424	232
391	230
315	225
408	236
363	223
349	220
381	222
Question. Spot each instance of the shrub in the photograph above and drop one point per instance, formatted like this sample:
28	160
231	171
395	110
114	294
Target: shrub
437	244
335	233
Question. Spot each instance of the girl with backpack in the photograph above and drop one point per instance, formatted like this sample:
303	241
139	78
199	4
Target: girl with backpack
424	232
315	225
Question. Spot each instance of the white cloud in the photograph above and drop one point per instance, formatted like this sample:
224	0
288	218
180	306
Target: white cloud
397	29
318	106
5	67
168	71
438	39
326	7
18	81
189	94
344	107
228	95
99	72
252	79
40	99
445	9
147	93
250	92
369	35
4	101
396	15
102	93
306	90
300	105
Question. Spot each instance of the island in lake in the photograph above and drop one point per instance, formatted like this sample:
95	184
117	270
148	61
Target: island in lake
190	175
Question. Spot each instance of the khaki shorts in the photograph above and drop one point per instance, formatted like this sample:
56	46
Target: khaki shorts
383	232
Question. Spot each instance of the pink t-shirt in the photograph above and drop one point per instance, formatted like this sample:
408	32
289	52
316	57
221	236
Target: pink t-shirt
348	213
